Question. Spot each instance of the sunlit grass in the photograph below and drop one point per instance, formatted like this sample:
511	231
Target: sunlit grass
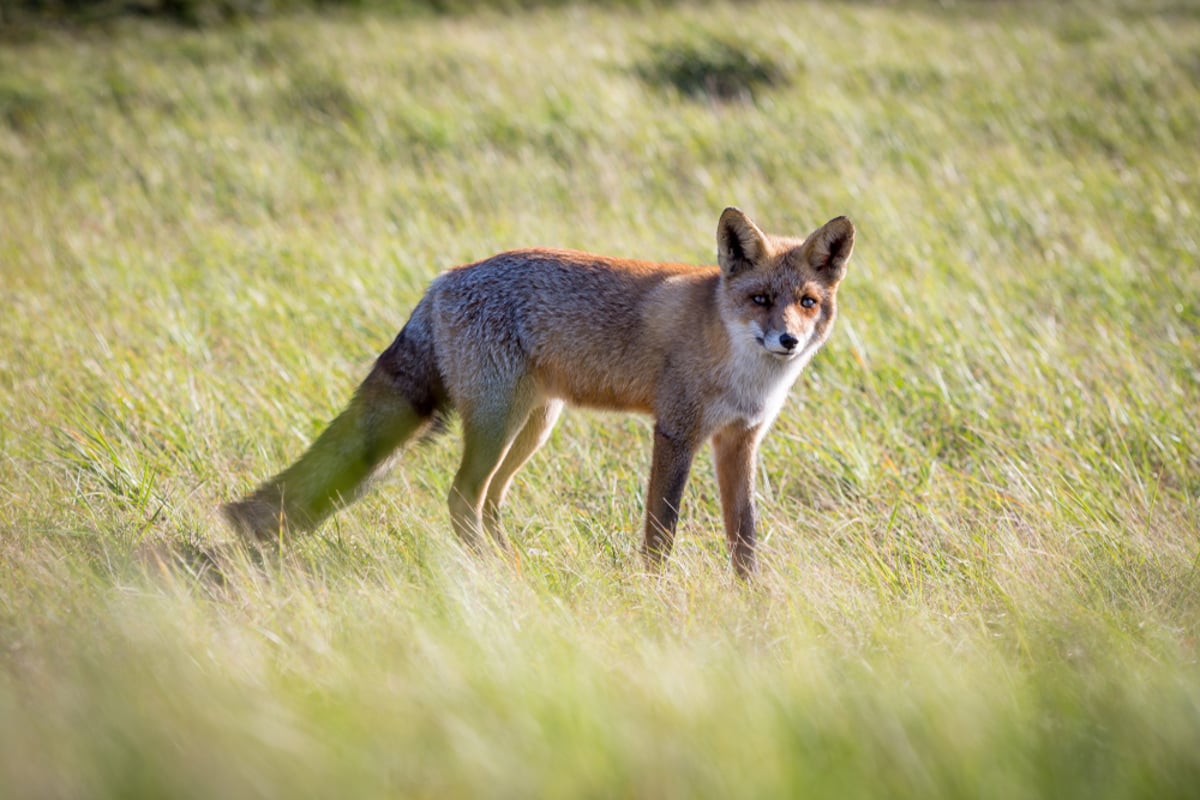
980	505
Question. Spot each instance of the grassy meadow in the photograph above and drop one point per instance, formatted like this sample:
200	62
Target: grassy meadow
981	505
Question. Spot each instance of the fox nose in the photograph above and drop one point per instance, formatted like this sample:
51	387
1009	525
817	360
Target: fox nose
787	341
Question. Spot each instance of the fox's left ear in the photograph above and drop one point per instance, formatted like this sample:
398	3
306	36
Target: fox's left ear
829	248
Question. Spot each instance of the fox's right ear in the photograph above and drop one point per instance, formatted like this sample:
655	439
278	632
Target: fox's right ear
740	244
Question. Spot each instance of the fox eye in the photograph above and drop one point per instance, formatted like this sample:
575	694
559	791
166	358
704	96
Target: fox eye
760	300
808	302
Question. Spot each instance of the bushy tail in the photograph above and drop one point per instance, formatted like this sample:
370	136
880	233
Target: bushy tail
398	401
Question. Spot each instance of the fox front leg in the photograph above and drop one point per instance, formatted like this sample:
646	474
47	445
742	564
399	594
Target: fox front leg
735	448
670	465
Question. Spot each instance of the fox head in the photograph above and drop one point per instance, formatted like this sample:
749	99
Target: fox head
778	293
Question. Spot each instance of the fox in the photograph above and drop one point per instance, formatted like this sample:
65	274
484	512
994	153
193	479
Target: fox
710	352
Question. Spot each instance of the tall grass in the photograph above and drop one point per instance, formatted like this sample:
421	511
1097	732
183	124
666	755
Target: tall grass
981	504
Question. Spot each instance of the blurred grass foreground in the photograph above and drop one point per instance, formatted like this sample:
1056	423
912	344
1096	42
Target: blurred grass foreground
981	503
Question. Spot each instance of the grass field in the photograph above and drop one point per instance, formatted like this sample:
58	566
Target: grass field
981	505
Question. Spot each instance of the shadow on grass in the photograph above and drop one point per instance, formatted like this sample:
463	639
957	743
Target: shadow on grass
210	565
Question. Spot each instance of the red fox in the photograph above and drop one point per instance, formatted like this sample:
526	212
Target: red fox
710	352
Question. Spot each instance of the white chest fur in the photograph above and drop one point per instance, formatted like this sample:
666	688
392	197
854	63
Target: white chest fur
754	384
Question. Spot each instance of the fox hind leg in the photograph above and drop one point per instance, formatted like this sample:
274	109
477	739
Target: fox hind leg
531	438
489	433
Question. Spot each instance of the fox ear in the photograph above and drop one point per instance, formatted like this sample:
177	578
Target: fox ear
829	248
740	244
